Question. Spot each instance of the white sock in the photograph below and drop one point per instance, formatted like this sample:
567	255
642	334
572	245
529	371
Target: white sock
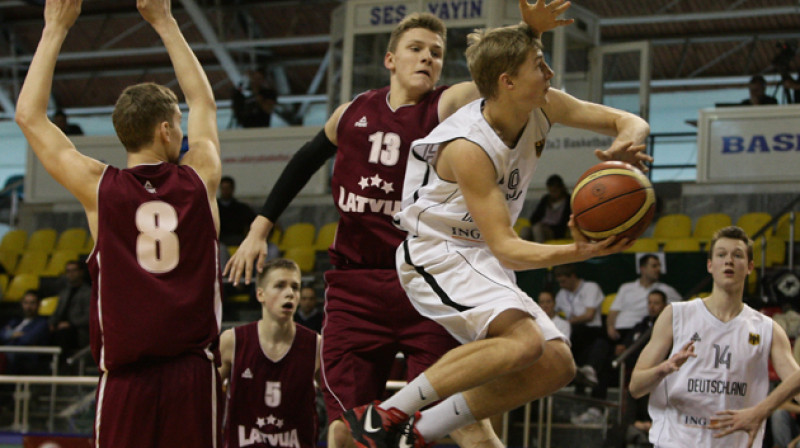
414	396
444	418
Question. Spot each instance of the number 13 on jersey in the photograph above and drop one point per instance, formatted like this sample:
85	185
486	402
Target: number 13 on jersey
385	148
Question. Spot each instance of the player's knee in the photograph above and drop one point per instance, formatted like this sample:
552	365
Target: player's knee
526	352
563	362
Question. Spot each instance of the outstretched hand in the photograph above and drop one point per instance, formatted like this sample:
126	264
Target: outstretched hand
252	251
154	11
543	17
747	420
626	152
62	12
589	249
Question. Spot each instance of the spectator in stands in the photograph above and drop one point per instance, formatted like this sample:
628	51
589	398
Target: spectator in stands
580	301
234	216
28	330
547	303
60	120
308	314
253	107
630	306
758	93
70	322
549	220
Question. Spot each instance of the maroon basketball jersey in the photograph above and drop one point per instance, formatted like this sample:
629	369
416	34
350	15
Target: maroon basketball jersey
272	403
155	271
368	174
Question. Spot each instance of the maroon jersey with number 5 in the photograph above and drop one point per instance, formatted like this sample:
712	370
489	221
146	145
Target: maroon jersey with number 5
155	271
367	181
272	402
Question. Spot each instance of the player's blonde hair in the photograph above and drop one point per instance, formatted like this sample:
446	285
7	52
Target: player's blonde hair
734	233
277	263
423	20
492	52
139	109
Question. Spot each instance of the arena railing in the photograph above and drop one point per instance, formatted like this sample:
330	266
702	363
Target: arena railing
22	393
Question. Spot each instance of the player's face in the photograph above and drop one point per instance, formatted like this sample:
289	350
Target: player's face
728	264
417	61
279	293
533	79
547	303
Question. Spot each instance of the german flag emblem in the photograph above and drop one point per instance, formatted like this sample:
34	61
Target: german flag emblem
540	147
754	339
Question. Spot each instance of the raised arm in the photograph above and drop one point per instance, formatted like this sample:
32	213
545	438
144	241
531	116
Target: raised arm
77	173
652	366
466	163
628	129
202	124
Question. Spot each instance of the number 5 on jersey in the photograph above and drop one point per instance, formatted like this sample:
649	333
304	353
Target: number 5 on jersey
157	246
385	148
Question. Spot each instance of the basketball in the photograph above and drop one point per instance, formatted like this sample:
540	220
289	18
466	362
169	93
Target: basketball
613	198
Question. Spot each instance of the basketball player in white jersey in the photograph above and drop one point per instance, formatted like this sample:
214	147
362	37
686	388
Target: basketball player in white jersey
719	350
465	185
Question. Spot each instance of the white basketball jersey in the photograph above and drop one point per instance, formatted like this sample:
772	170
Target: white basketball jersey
436	208
729	372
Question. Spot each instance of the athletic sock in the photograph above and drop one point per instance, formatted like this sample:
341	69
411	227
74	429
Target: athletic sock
444	418
416	395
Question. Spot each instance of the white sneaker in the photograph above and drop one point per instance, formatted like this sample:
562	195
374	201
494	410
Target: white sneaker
586	375
591	416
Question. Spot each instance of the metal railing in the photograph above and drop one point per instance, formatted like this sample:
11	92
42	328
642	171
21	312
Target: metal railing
22	395
19	393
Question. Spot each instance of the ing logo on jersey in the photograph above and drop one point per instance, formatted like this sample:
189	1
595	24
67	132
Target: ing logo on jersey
754	339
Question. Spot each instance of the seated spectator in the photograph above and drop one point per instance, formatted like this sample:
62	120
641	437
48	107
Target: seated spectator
253	108
29	329
630	305
234	216
580	301
60	120
758	93
308	314
547	303
549	220
70	322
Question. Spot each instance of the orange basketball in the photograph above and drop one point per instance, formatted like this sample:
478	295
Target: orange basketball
613	198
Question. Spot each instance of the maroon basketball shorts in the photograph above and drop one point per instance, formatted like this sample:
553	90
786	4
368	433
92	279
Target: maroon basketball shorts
175	402
368	320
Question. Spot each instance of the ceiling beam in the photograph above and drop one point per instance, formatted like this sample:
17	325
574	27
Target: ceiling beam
6	102
207	31
699	16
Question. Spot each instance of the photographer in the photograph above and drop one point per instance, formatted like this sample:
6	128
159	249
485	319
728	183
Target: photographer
253	107
782	62
758	93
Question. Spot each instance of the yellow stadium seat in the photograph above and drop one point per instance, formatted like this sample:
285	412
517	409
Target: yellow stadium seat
559	241
72	239
19	284
275	235
14	241
521	224
9	260
783	227
753	222
48	306
88	246
59	259
682	245
300	234
707	224
304	256
3	283
325	236
32	262
775	254
673	226
239	298
607	302
232	250
649	245
701	295
43	240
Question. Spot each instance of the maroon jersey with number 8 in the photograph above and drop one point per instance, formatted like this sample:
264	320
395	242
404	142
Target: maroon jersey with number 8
155	270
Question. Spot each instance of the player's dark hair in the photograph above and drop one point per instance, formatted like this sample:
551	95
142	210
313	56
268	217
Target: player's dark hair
734	233
139	109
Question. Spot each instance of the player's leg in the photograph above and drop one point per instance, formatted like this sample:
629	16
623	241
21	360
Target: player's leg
191	403
124	416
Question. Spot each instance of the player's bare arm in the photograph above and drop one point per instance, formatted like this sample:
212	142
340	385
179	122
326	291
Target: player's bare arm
466	163
53	149
227	345
611	322
629	130
253	250
781	353
202	122
652	365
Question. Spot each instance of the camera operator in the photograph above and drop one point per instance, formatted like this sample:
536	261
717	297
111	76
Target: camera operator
758	93
782	62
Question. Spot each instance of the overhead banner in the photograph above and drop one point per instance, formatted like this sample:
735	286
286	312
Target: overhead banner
749	144
253	157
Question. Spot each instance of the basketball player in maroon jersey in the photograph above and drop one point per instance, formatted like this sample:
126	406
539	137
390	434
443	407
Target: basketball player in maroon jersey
156	303
270	366
368	318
